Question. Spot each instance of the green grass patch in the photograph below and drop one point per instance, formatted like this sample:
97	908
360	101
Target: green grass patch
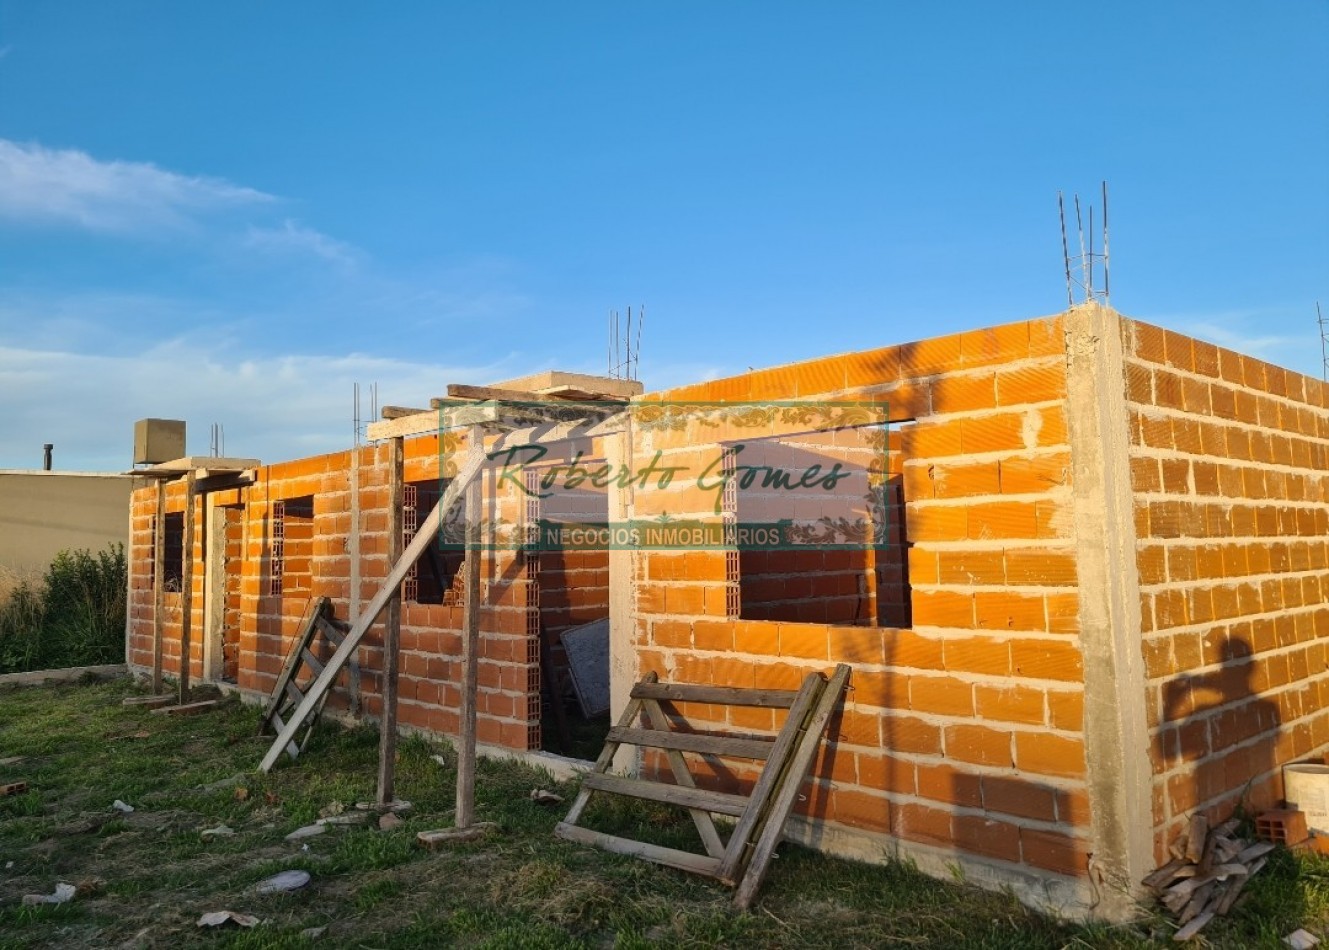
73	616
145	877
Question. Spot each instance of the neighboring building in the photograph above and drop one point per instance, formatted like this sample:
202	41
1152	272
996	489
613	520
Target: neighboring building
43	513
1105	606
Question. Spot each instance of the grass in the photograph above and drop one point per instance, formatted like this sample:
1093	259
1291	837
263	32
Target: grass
144	878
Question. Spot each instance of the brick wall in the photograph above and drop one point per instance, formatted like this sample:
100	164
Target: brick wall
315	561
963	732
1228	469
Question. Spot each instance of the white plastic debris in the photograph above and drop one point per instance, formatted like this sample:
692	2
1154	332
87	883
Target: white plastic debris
218	917
63	894
221	831
1301	940
542	796
283	882
308	831
120	806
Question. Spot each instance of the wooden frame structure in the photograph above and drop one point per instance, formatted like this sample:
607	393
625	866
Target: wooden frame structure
743	861
202	474
464	487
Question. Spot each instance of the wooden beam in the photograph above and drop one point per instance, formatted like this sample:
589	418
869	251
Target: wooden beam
187	587
419	424
721	803
759	749
488	393
491	414
397	412
387	731
720	695
670	857
159	586
470	650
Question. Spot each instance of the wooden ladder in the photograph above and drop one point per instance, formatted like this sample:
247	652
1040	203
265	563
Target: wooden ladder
288	694
427	534
743	861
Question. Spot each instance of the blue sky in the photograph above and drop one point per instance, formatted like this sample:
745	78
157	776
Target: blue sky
232	212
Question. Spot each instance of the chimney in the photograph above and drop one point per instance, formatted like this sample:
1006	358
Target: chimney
46	456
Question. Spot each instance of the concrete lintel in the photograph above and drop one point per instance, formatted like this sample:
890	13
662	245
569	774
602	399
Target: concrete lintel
1116	734
37	677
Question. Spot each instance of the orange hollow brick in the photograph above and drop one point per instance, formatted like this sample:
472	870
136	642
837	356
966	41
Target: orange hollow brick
1047	754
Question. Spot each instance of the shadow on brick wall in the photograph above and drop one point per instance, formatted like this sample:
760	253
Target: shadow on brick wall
1219	738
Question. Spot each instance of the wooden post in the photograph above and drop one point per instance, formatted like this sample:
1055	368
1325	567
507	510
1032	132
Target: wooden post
353	676
158	585
387	741
187	587
470	648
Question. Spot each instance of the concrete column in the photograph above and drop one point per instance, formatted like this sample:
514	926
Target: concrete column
214	587
622	622
1115	727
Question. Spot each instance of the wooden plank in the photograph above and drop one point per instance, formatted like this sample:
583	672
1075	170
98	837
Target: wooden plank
187	709
387	732
470	652
441	838
772	830
654	717
490	394
720	803
147	700
767	783
759	749
428	424
397	412
159	586
187	587
670	857
720	695
424	536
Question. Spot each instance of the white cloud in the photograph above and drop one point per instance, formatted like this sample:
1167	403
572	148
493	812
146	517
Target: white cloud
273	408
71	188
291	237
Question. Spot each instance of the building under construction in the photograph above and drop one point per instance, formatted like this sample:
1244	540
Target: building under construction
1079	567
